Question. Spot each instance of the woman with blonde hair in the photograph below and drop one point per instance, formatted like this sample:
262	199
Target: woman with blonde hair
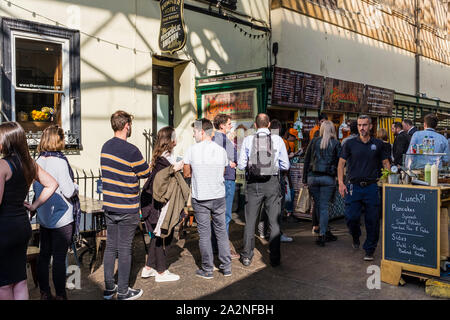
319	174
56	216
17	172
162	158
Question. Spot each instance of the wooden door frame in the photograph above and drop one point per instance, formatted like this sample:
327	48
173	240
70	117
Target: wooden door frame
156	89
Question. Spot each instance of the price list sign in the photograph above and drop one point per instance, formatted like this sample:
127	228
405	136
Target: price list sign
411	226
296	89
378	101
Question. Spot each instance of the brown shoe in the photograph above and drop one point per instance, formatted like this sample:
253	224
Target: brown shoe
60	298
234	255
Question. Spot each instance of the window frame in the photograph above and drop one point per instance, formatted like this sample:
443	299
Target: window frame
65	105
72	108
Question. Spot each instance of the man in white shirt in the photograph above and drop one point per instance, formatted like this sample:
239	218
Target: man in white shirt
264	187
205	162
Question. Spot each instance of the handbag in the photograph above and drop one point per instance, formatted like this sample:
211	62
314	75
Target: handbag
303	203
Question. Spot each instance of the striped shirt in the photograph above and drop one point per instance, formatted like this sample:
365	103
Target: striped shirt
122	166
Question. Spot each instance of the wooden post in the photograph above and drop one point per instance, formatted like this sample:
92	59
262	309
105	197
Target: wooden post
390	273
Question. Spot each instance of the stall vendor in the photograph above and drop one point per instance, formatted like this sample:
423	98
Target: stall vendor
316	128
289	141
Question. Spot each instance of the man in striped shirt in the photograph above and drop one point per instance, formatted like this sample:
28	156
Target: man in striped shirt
122	166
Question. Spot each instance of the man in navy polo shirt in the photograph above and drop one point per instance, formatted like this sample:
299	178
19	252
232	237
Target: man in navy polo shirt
364	157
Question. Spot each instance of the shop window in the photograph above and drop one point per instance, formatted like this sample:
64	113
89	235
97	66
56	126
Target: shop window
41	79
39	91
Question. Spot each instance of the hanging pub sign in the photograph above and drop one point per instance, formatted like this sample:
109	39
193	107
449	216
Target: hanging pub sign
172	33
239	104
343	96
378	101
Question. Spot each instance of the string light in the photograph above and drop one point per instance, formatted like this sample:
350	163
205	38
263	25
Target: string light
117	45
250	35
57	23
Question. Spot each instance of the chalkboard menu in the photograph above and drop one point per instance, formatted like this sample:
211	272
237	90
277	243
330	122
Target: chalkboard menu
411	225
343	96
296	89
378	101
172	34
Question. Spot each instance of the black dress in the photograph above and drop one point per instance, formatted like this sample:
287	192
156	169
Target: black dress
15	227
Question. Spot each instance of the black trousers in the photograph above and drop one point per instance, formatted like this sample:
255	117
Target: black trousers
121	228
256	194
157	254
54	242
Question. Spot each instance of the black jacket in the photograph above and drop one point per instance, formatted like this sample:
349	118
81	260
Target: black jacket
321	162
151	208
387	149
400	147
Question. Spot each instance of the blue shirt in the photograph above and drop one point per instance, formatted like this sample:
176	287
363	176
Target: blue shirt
440	146
281	158
222	140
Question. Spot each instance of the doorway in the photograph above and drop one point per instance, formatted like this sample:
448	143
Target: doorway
162	97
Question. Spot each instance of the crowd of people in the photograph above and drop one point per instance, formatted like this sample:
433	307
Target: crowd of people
205	176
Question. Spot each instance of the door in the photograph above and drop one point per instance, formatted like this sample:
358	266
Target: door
162	109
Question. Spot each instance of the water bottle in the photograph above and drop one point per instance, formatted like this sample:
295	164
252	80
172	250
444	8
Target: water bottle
431	145
425	143
428	173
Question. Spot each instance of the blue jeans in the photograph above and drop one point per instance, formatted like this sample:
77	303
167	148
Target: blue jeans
230	188
322	189
368	198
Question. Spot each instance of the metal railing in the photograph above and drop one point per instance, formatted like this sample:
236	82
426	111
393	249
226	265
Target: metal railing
89	183
149	144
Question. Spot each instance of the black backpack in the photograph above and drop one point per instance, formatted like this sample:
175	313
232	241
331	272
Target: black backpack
261	164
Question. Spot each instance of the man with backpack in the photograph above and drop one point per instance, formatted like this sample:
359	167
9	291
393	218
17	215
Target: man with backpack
262	155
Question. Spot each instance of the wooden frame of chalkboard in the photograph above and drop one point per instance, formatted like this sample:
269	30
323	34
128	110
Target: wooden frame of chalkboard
429	270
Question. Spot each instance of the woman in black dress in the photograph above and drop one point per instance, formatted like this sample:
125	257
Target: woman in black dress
17	172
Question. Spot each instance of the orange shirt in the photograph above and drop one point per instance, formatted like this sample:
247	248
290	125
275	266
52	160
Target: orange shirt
290	146
313	131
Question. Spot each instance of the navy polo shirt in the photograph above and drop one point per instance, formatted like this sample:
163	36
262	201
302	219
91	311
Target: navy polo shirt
364	160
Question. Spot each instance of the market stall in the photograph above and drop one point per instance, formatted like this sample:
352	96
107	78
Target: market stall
415	223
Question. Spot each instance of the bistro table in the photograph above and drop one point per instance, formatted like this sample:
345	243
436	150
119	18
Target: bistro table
92	225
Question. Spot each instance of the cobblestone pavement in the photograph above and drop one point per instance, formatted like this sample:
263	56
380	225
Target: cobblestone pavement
336	271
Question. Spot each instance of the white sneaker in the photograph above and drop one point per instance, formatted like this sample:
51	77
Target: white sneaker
286	238
147	273
70	285
166	276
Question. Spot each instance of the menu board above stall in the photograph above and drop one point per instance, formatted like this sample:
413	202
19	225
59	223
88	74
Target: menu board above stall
379	101
296	89
343	96
239	104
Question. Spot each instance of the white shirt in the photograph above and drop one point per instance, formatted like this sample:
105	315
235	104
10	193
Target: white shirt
281	158
208	161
